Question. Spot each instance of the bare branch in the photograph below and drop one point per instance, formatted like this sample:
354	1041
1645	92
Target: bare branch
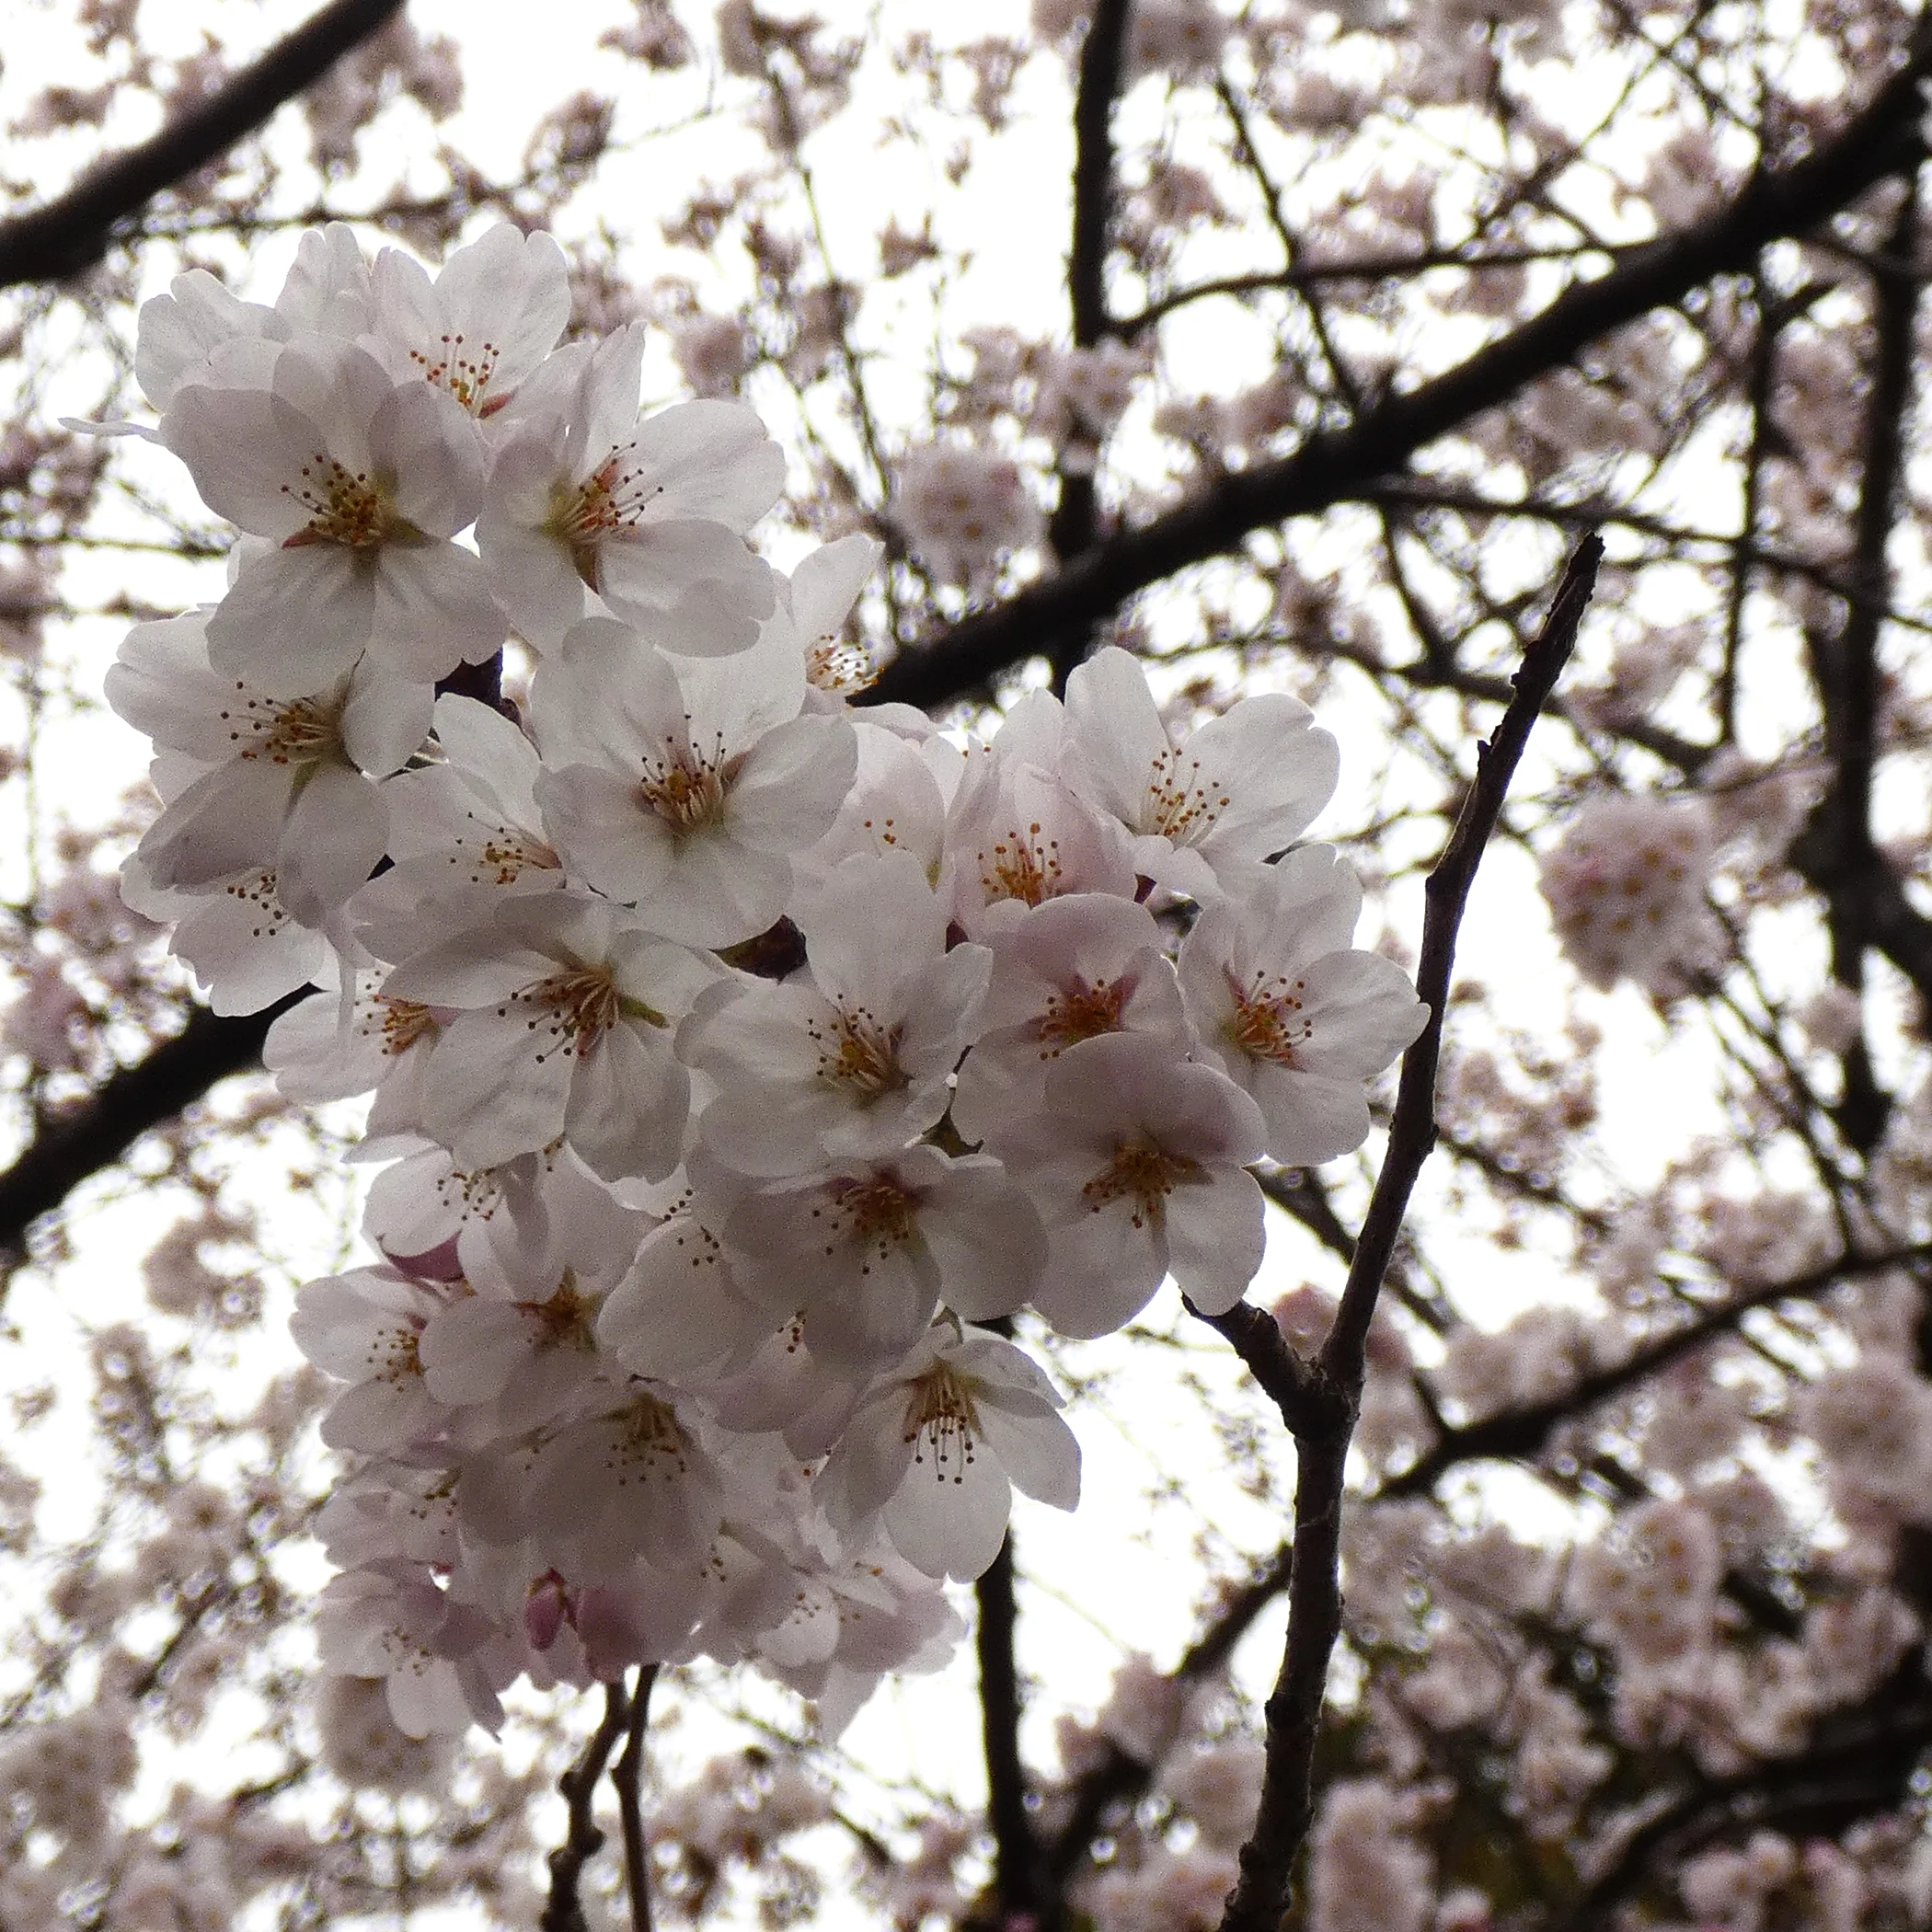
75	229
1878	141
130	1103
628	1775
1016	1855
1322	1396
563	1911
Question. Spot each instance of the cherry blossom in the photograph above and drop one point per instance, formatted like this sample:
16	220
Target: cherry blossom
360	482
1137	1163
681	785
583	497
1203	815
1289	1012
564	1010
937	1447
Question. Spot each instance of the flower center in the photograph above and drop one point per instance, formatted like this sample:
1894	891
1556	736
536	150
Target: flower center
610	501
857	1052
1144	1174
1078	1011
876	1213
349	508
646	1442
584	1001
1179	803
401	1023
687	790
505	854
394	1355
1269	1026
568	1320
840	668
302	732
939	1415
1023	867
465	373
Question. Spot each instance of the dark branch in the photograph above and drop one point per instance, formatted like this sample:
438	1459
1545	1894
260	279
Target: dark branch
1017	1856
1881	140
563	1911
74	230
1120	1775
1322	1397
628	1775
1520	1434
130	1103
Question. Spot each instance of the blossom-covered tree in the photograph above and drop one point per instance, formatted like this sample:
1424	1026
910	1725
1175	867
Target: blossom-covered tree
874	766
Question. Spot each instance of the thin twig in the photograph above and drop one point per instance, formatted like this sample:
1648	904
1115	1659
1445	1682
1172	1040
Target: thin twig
563	1911
1016	1853
72	232
628	1775
1320	1400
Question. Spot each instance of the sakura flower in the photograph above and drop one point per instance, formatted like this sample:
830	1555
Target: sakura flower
896	803
869	1250
857	1062
1200	815
481	327
1068	969
936	1449
649	516
1137	1164
1291	1014
365	1327
889	1617
1017	835
200	333
246	948
336	1044
681	785
624	1479
360	482
679	1309
819	596
964	510
260	781
461	832
389	1621
565	1006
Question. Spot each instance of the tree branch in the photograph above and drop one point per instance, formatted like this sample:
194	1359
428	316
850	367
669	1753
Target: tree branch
1518	1434
1017	1856
131	1102
628	1775
75	229
563	1911
1323	1396
1880	140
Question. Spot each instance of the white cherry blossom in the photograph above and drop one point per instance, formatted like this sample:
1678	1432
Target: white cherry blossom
937	1447
1202	814
483	326
1290	1012
565	1006
1138	1166
867	1249
855	1060
1067	969
649	516
681	786
360	482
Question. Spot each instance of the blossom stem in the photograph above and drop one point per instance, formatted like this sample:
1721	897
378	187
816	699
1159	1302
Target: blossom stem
1319	1398
628	1775
563	1911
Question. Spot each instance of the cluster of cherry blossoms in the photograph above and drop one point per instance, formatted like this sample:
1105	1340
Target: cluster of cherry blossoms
737	1054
